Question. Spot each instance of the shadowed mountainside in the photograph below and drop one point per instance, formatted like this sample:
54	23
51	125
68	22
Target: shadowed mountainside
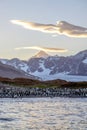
11	72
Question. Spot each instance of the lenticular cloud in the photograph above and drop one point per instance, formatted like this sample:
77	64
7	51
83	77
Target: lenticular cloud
61	28
47	49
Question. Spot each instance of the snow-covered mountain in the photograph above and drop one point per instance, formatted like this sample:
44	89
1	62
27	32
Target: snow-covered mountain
41	54
46	67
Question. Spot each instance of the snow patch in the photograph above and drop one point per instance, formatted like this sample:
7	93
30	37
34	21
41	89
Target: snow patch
3	61
85	61
44	73
24	67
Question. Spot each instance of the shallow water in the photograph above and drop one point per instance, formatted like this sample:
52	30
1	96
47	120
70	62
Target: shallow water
43	114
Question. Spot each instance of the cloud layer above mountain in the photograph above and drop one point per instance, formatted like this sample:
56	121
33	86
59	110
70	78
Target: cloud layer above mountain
47	49
61	28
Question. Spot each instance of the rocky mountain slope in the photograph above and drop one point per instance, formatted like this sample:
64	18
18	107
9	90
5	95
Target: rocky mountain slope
48	67
11	72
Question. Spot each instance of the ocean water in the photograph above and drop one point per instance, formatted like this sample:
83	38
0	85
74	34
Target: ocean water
43	114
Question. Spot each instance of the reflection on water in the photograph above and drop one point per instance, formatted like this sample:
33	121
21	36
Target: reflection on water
43	114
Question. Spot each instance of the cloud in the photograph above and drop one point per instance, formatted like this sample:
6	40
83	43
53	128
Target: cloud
61	28
47	49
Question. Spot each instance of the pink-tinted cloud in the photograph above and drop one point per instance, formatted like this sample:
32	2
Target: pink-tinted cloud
61	28
47	49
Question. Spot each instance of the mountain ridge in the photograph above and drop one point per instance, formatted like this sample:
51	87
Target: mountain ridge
48	67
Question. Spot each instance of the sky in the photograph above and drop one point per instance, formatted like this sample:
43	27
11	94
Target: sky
28	26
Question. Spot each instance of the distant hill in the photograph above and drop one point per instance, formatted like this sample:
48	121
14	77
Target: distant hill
32	83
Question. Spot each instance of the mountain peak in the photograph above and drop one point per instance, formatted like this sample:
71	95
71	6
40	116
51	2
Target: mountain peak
41	54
